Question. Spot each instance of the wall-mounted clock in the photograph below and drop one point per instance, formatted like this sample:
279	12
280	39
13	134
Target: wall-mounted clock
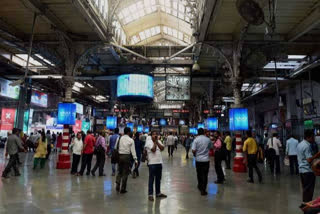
178	87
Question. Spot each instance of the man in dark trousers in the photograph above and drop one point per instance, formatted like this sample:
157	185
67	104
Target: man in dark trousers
250	147
87	153
14	143
200	148
305	158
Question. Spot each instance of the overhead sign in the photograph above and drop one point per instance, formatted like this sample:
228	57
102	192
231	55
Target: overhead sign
8	116
212	123
66	113
40	99
163	122
146	129
200	125
7	90
79	108
238	119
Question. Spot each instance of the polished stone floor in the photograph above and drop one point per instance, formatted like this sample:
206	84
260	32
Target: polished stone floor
56	191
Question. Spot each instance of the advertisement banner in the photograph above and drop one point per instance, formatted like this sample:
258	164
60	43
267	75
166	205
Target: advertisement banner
79	108
85	126
212	123
77	126
238	119
111	122
66	113
9	91
7	119
25	121
40	99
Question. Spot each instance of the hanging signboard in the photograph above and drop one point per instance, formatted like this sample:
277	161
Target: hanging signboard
39	98
238	119
9	91
8	116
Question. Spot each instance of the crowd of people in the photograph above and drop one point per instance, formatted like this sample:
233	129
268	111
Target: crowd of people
127	150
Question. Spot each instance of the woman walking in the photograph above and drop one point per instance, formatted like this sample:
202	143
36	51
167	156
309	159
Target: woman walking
100	151
77	146
41	152
218	157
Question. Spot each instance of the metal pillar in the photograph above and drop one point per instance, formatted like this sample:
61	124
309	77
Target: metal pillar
23	102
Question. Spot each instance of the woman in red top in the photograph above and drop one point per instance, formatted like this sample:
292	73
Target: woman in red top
59	142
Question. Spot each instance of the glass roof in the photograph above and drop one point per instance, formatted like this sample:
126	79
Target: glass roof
145	34
141	8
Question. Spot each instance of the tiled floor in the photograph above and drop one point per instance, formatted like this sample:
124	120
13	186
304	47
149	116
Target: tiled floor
56	191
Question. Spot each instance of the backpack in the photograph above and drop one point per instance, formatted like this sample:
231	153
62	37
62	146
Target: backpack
270	152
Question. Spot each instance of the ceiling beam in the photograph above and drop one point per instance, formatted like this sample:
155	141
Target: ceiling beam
306	25
37	7
210	13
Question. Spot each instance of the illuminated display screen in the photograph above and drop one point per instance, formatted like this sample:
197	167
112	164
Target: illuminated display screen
181	122
85	126
238	119
193	131
200	125
79	108
66	113
130	125
140	128
135	85
111	122
163	122
9	91
146	129
212	123
38	98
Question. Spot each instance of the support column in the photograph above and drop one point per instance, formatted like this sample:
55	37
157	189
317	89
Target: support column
64	156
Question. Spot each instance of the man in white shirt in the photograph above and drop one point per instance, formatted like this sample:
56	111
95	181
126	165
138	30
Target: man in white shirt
126	149
275	144
291	152
154	148
200	148
170	144
77	147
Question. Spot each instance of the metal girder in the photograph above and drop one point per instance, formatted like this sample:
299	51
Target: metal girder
212	8
92	18
310	22
41	9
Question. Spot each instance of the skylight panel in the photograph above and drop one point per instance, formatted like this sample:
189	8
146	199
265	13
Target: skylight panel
165	29
180	35
148	33
174	33
157	29
181	15
153	31
169	31
142	35
181	8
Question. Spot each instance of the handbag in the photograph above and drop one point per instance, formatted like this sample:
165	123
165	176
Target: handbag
115	153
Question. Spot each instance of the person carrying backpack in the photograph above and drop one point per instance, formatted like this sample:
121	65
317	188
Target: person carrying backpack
273	154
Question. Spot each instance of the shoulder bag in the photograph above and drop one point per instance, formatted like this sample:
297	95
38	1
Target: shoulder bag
115	153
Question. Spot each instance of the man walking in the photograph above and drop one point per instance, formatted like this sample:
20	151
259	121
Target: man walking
170	144
88	149
307	177
274	143
154	148
200	148
291	151
126	149
14	143
250	147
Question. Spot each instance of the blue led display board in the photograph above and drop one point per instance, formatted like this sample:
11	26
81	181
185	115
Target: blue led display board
163	122
193	131
146	129
212	123
238	119
200	125
111	122
139	128
130	125
135	85
66	113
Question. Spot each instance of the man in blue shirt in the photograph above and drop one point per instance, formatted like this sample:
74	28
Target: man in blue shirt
291	151
113	140
200	148
305	159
